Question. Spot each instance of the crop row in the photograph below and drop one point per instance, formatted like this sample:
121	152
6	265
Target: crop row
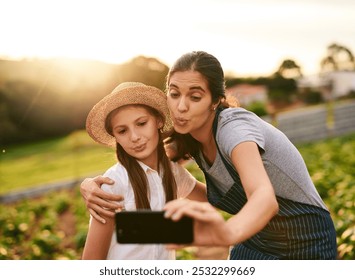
55	225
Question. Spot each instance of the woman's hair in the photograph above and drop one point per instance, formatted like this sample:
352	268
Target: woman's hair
210	68
136	173
207	65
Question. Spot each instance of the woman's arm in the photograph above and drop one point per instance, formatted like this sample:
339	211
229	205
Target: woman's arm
210	227
98	240
98	202
262	204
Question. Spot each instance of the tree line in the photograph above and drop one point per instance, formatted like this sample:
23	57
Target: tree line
41	99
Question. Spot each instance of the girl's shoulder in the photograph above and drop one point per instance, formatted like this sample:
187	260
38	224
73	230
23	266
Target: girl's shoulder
175	167
116	170
180	172
119	174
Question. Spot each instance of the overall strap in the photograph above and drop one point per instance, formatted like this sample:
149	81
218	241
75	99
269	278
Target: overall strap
228	166
235	198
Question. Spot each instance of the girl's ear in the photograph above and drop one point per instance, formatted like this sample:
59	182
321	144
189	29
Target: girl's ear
160	123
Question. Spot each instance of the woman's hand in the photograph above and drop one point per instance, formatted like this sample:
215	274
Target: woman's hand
210	227
98	202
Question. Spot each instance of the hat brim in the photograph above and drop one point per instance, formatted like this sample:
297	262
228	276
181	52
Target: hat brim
129	94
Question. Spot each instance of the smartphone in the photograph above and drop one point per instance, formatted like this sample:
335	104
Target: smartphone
145	226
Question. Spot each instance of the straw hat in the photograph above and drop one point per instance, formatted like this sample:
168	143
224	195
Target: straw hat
129	93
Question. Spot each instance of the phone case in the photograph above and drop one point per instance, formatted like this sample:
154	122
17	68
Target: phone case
152	227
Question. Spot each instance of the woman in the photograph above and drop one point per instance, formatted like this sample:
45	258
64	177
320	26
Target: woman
252	171
133	119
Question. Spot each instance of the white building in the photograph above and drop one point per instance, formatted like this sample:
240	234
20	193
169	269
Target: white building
331	85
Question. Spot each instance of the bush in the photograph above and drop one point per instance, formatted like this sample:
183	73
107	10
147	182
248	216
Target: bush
258	108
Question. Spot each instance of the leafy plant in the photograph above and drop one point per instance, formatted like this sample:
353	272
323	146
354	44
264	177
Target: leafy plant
55	225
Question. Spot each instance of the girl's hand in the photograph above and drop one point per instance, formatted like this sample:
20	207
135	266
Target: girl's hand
98	202
210	227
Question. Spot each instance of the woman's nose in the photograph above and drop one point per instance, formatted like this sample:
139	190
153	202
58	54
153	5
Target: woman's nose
182	106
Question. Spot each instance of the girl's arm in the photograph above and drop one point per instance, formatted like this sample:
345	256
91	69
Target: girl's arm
199	192
98	239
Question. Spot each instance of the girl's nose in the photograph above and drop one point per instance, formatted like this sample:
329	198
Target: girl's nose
135	136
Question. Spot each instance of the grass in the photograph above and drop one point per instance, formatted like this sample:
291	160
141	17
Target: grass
71	157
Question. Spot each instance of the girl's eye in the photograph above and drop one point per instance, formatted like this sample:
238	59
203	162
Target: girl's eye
141	123
121	132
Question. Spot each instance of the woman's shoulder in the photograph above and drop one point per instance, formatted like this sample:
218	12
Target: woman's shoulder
236	113
238	117
237	125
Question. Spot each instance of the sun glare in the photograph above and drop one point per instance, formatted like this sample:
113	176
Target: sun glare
82	30
247	36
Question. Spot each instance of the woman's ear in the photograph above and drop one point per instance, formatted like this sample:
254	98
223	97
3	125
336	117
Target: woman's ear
215	105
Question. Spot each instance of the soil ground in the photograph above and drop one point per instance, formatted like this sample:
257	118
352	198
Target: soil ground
212	253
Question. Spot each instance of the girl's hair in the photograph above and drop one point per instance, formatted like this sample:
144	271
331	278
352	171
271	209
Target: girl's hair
136	174
210	68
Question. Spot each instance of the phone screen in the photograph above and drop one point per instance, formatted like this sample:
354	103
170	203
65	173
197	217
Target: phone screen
151	227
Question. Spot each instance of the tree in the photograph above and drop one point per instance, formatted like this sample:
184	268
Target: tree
289	69
338	58
146	70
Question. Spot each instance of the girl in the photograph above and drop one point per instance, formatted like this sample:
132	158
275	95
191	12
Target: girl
134	118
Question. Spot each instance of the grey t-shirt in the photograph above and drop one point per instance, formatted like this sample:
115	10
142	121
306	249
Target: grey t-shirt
283	162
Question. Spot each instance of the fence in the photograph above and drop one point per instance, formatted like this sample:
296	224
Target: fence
39	190
317	123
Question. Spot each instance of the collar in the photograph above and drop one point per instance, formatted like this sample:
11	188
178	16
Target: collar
146	168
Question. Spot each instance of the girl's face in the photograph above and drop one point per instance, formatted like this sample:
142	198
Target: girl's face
136	130
190	102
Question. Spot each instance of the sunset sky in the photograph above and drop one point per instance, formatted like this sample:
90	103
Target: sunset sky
249	37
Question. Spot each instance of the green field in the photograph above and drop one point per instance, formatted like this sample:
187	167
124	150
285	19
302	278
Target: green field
55	226
54	160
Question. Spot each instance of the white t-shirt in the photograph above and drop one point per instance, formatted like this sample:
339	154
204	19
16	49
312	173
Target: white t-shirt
185	183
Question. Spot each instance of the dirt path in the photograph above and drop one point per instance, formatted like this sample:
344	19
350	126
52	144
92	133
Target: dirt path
66	223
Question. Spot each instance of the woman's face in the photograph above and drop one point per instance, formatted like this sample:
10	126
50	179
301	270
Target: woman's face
136	130
190	102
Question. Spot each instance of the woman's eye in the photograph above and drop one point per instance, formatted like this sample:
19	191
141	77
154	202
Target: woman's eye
195	98
173	94
121	131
